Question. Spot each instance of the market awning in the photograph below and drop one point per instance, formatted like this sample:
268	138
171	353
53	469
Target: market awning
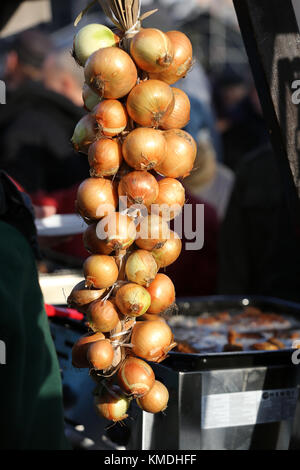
16	16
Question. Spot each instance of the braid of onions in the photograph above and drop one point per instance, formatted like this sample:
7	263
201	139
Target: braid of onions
137	149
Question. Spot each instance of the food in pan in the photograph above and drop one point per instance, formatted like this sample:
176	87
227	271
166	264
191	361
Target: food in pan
248	329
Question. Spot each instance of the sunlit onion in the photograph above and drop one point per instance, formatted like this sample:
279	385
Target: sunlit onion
144	148
102	316
89	39
84	134
110	72
117	231
105	157
96	198
140	187
111	116
162	293
136	377
80	348
132	300
151	340
156	400
81	297
141	268
100	354
100	271
150	102
152	232
93	244
114	233
169	252
170	199
152	50
90	98
182	61
180	115
112	404
180	156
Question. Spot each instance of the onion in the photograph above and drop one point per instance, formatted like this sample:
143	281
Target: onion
112	404
90	98
140	187
144	148
96	198
180	156
136	377
152	232
93	244
182	61
84	134
152	340
141	268
100	354
155	400
111	116
117	231
150	102
81	297
105	157
170	199
100	271
110	72
152	50
89	39
102	316
119	356
180	115
169	252
162	293
80	348
132	300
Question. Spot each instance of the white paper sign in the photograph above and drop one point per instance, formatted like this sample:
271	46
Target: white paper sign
247	408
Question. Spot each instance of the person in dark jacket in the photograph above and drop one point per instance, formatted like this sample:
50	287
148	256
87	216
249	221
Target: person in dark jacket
31	404
259	247
36	126
239	116
25	58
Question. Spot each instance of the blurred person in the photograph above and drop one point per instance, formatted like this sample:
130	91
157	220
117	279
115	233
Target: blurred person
259	247
25	58
31	405
36	126
62	75
239	116
229	91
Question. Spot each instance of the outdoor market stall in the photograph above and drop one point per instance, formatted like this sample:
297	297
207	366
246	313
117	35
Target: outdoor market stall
232	383
187	373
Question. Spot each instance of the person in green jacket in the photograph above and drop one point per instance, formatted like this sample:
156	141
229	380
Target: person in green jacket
31	406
